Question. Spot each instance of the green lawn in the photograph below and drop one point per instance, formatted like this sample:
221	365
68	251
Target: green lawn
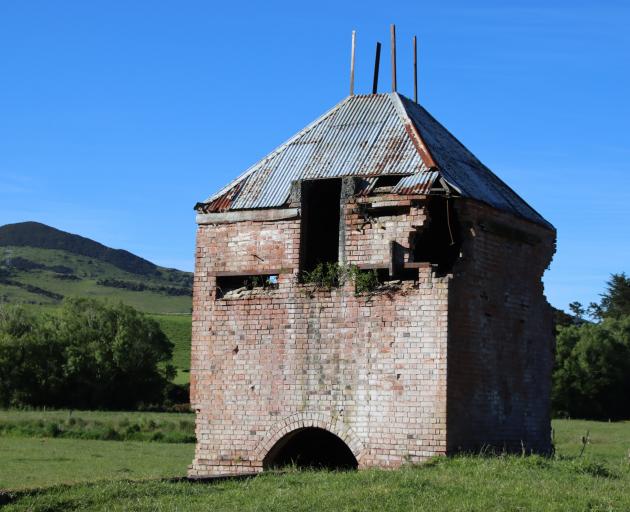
599	480
32	462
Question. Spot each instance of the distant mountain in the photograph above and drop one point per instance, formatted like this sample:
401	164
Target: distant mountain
35	234
41	265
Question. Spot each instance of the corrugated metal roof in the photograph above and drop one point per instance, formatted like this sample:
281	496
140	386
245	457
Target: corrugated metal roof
463	171
370	135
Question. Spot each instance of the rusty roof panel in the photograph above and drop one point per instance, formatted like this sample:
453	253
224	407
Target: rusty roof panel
462	170
419	183
368	136
362	136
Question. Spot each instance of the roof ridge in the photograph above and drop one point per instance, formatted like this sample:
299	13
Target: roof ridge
453	181
414	132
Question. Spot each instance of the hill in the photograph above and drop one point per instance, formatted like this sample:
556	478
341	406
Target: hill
41	265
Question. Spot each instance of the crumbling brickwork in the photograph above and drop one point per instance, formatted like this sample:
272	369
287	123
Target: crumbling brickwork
431	363
501	342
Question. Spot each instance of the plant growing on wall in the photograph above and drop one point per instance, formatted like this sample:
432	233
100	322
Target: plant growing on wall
330	275
365	281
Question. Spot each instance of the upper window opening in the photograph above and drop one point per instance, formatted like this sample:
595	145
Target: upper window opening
438	241
386	183
321	203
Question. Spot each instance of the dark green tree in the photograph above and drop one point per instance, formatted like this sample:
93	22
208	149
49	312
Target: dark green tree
592	374
31	359
615	301
90	355
115	356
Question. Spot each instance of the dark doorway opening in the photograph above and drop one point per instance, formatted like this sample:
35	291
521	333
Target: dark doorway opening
321	202
438	242
311	448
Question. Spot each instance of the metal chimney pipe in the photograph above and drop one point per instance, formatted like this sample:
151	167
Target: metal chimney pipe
393	42
377	62
354	39
415	69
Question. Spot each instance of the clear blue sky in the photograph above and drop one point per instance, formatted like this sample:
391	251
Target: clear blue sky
116	117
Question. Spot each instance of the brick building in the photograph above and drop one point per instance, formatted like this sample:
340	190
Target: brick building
451	349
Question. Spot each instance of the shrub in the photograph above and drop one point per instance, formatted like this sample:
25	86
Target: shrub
326	275
365	281
330	275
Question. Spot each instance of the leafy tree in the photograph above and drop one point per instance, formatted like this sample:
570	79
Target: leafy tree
31	359
592	374
91	355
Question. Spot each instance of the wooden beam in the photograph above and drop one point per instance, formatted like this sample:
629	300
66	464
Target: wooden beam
243	215
417	264
393	43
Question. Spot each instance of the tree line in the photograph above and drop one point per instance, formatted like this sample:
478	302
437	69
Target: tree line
591	377
93	355
88	355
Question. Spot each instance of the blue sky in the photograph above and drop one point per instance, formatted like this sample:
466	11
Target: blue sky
116	117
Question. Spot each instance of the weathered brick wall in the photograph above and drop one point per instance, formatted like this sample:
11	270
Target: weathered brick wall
367	241
371	369
500	349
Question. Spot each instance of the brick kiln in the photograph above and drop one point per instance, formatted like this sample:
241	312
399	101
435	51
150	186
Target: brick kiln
448	348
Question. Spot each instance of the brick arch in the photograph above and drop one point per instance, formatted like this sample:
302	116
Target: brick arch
310	419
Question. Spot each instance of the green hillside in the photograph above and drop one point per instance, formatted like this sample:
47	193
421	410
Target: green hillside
41	265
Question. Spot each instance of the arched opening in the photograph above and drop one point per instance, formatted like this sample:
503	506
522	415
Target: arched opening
311	448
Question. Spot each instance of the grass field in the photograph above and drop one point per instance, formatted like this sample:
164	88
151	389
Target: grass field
100	425
33	462
599	480
177	328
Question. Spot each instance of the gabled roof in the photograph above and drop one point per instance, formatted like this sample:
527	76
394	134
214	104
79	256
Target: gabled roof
371	136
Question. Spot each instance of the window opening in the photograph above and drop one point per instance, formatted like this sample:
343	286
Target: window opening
321	202
437	242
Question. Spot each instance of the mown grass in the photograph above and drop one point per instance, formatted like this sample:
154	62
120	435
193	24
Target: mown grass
597	481
100	425
31	462
457	484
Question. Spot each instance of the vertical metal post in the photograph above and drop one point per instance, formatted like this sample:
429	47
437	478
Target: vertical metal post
415	69
393	42
377	63
354	39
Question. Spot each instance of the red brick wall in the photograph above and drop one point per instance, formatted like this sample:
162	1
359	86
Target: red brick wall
368	242
500	348
371	369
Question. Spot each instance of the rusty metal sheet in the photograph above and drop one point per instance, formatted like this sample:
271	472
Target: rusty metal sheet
419	183
369	136
463	171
